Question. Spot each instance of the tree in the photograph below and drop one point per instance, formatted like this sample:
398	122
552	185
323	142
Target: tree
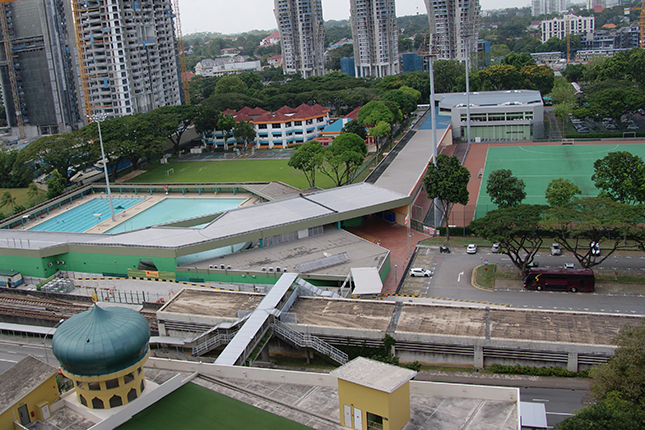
448	182
406	102
518	60
586	220
343	158
374	112
621	177
540	78
206	120
611	99
355	127
175	120
7	200
561	191
624	374
225	123
516	229
55	185
606	415
500	77
230	84
308	158
33	191
62	152
244	131
505	189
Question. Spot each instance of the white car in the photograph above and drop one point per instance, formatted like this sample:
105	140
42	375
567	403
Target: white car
494	248
569	266
418	271
471	249
595	248
555	249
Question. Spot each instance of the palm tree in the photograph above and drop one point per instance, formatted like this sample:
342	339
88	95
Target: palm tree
33	191
7	199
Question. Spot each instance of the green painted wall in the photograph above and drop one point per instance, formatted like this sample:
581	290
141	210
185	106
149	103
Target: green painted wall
28	266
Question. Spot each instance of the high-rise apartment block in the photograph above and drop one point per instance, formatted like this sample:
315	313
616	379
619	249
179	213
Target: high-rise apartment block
130	60
302	34
453	22
375	34
568	24
543	7
38	77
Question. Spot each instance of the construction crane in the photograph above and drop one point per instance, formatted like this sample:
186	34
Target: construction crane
641	40
182	56
13	82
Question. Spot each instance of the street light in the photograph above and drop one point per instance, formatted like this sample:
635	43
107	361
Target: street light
98	118
47	334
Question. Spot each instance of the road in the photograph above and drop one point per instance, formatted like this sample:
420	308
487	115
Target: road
14	348
452	280
560	404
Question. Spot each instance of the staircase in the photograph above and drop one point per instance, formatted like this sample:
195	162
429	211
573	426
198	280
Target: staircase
308	341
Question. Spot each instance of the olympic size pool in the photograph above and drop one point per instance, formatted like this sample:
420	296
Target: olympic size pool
88	214
175	209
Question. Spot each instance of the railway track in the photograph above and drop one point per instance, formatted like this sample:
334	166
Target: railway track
53	309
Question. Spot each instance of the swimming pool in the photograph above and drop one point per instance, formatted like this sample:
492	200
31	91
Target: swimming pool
175	209
87	215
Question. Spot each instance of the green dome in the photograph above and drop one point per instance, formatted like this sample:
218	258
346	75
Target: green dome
100	341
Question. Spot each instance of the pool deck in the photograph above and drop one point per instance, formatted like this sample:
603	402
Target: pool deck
148	202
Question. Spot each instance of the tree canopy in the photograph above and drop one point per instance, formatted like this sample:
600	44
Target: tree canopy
448	182
343	158
561	191
621	177
308	158
505	189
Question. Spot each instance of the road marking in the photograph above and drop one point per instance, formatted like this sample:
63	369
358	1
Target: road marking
8	361
11	352
541	400
564	414
459	277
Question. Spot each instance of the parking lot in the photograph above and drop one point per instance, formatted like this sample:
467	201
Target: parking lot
633	123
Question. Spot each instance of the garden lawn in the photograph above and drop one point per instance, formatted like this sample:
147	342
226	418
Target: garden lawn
231	171
195	407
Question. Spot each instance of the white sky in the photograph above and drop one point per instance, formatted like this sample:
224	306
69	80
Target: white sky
238	16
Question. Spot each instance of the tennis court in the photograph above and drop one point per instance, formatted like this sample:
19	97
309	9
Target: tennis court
539	165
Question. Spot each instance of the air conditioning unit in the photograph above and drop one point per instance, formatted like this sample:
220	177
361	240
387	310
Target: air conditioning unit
277	269
228	267
210	266
62	262
264	269
221	266
270	269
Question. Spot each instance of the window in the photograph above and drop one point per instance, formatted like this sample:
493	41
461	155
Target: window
97	403
94	386
128	378
79	384
262	126
112	383
115	401
82	400
132	394
275	125
298	122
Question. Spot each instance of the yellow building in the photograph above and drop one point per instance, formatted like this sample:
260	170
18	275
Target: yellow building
103	351
373	395
27	390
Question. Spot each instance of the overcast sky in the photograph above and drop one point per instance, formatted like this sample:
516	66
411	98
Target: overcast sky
237	16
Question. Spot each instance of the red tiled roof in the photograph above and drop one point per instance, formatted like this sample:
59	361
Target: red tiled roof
243	117
229	112
353	114
286	110
244	110
256	111
266	117
280	117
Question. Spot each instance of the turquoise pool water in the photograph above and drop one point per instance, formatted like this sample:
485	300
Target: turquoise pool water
81	218
175	209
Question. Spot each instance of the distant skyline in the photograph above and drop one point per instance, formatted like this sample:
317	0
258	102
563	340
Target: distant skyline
231	17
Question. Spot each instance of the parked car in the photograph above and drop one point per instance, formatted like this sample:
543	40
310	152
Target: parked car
419	271
471	249
569	266
532	264
595	248
555	249
494	248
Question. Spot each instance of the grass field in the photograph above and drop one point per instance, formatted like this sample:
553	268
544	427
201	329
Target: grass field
230	171
539	165
196	407
21	198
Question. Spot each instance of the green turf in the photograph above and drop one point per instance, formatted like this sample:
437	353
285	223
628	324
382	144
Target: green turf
196	407
21	198
231	171
539	165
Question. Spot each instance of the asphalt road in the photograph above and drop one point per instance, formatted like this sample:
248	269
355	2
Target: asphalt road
13	349
560	404
452	280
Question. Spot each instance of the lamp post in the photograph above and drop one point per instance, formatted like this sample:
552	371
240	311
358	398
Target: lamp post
98	118
47	334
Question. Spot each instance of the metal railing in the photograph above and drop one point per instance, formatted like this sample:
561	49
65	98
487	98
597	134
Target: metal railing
308	341
212	343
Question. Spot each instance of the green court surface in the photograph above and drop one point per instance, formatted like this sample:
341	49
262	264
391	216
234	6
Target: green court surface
196	407
539	165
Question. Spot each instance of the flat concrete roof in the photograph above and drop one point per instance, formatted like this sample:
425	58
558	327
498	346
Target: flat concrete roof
206	302
361	252
22	378
374	374
344	313
491	98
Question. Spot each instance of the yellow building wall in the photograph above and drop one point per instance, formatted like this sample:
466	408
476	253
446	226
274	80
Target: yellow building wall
47	391
104	393
395	406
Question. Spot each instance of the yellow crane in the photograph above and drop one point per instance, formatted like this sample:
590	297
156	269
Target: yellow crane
182	56
641	40
13	82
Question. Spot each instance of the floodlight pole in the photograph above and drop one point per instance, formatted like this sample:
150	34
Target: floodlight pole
98	118
433	114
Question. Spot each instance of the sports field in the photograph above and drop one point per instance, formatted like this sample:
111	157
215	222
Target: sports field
230	171
196	407
539	165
